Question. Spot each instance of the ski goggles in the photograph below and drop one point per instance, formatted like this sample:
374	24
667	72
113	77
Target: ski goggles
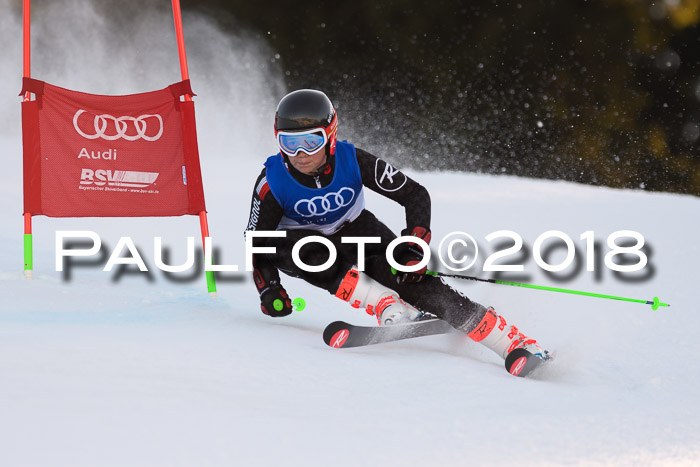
308	141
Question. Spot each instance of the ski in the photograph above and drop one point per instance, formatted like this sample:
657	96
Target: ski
341	334
520	362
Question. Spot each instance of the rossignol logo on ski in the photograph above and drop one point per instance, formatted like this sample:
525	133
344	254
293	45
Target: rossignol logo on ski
339	338
518	366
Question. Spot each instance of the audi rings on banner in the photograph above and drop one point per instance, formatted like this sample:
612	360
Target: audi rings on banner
120	127
321	205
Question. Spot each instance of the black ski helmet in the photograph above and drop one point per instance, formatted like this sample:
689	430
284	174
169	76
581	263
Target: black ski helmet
306	109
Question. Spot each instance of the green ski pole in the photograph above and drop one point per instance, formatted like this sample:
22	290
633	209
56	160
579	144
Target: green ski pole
655	303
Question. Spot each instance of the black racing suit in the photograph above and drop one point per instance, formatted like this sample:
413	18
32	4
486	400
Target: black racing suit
430	295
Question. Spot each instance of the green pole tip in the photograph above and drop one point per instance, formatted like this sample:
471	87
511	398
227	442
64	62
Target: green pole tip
393	271
656	304
299	303
278	305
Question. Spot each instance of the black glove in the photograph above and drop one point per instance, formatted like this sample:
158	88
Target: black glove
409	254
274	300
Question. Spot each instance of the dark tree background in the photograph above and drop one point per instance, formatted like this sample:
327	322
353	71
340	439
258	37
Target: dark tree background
601	92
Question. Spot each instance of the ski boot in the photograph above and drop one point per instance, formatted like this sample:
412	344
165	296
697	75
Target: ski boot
361	291
508	342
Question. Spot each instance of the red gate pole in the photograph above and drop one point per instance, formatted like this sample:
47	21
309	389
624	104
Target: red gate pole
27	47
177	16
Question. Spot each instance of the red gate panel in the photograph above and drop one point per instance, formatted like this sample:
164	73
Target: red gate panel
88	155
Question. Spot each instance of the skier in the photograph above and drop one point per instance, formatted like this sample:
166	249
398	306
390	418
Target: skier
314	186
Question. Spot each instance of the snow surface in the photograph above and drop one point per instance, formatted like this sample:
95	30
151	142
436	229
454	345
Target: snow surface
122	370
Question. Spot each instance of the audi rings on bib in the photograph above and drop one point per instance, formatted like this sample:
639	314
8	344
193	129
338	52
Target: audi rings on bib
321	205
120	126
